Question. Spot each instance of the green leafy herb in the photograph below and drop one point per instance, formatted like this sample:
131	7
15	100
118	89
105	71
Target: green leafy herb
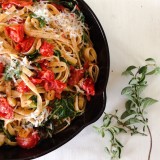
42	22
58	54
33	56
133	120
63	108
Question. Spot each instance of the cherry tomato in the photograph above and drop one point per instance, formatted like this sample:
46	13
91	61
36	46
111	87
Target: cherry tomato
19	3
22	88
6	6
1	69
76	76
26	44
58	86
28	142
55	85
44	65
46	49
15	32
88	86
35	80
58	6
6	111
47	75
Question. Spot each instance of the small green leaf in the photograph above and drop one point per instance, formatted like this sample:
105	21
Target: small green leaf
141	88
127	91
150	60
118	142
42	22
154	71
128	70
127	114
129	104
148	101
132	121
143	70
133	81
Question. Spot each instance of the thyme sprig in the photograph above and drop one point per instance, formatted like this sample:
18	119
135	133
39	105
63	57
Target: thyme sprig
133	120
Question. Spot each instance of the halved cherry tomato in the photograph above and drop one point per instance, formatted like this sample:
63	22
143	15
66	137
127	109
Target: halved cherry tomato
58	86
47	75
46	49
6	111
1	69
25	45
6	6
55	85
44	65
58	6
35	80
19	3
76	76
15	32
28	142
22	88
88	86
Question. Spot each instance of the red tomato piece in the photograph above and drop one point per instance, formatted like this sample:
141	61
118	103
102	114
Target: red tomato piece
18	47
26	44
58	86
58	6
6	6
16	32
22	88
35	80
76	76
46	49
19	3
28	142
88	86
55	85
47	75
6	111
1	69
44	65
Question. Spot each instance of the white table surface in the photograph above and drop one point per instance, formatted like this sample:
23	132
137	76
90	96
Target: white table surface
132	28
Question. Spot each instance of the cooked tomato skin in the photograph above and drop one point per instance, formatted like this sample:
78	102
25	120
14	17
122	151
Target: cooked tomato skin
1	69
88	86
15	32
46	49
6	111
19	3
47	75
6	6
22	88
26	44
76	76
50	83
28	142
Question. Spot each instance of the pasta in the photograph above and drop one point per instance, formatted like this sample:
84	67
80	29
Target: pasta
48	68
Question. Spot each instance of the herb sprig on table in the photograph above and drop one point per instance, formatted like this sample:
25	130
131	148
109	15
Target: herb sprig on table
133	120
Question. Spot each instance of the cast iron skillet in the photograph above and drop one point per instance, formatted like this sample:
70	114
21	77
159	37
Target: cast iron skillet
94	108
